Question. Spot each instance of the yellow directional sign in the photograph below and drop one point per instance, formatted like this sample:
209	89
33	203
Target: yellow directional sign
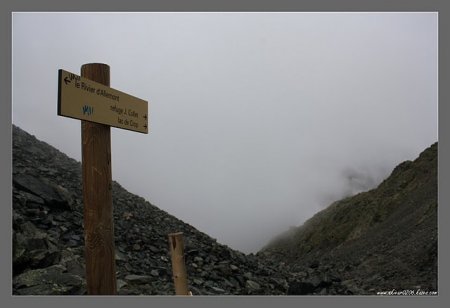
84	99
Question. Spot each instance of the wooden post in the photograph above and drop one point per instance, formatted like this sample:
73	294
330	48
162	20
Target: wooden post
178	266
97	197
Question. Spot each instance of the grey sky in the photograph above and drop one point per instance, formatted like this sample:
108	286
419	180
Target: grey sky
258	120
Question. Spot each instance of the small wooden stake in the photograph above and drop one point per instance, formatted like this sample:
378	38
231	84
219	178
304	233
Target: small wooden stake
97	197
178	266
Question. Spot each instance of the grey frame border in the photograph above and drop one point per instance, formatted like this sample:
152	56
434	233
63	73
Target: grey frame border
10	6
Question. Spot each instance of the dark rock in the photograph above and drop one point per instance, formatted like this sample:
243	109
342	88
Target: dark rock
218	290
234	282
72	260
279	283
128	267
119	256
194	265
76	267
240	279
31	248
198	281
316	281
300	288
248	275
33	212
228	283
153	249
48	192
214	276
31	237
48	220
48	281
195	291
138	279
65	195
224	269
198	259
18	220
120	284
32	201
72	243
252	285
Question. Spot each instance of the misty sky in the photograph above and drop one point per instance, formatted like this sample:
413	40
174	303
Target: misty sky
257	120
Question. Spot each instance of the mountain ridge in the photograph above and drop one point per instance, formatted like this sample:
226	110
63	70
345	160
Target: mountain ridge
375	230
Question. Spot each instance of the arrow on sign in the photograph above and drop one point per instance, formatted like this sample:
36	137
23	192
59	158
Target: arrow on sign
66	80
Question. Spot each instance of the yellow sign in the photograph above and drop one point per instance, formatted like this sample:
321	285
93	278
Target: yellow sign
84	99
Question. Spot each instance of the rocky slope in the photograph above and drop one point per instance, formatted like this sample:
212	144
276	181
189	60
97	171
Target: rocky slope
48	241
356	246
378	240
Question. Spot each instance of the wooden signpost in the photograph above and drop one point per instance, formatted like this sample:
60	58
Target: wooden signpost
178	265
89	98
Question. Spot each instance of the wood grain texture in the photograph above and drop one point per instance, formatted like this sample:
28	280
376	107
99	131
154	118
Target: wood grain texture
178	265
97	197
